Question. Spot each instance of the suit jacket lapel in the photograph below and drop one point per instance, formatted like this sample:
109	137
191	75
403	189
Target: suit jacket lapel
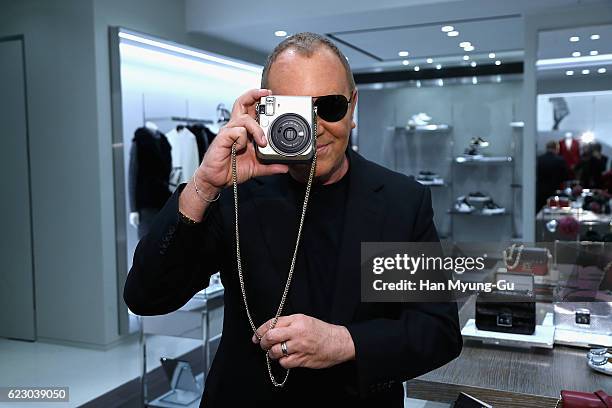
363	220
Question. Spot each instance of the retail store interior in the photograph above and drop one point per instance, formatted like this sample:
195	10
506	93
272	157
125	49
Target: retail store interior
502	108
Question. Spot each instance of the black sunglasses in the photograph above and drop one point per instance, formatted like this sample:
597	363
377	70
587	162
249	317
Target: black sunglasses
332	108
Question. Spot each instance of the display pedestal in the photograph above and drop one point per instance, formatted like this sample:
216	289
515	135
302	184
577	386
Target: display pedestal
161	403
543	337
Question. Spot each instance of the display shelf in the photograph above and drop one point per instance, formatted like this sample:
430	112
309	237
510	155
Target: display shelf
483	159
432	184
477	213
431	128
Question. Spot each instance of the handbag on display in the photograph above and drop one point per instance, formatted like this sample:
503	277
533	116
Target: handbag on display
576	399
582	307
584	318
508	311
522	259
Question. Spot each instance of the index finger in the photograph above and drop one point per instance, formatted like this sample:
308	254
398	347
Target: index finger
248	99
263	329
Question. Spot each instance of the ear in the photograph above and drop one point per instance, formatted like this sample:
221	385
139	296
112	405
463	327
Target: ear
353	105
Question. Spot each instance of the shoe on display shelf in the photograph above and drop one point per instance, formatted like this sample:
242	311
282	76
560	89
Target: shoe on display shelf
429	178
476	143
419	119
426	175
478	197
479	141
490	208
462	206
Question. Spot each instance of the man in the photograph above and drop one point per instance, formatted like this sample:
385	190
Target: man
340	351
552	172
600	164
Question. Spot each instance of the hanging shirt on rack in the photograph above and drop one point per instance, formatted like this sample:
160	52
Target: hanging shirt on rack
184	155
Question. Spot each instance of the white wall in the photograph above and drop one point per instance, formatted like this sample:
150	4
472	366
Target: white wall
589	111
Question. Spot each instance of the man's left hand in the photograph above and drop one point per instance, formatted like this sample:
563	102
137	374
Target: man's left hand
311	342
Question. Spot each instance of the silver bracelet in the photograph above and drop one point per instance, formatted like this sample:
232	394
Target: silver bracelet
198	192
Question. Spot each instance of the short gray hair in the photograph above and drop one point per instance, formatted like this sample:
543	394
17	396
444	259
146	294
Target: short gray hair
306	44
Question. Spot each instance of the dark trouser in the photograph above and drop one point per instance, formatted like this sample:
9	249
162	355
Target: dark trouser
146	216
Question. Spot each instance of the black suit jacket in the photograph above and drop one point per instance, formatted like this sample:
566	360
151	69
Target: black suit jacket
393	341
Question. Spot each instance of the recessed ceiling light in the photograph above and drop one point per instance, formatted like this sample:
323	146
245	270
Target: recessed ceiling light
473	63
601	70
586	72
405	62
595	37
474	80
403	53
569	73
465	44
452	33
468	48
280	33
447	28
429	60
491	55
498	62
576	54
439	66
574	39
466	57
417	68
594	52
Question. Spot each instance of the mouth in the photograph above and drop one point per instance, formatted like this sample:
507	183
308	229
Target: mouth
322	147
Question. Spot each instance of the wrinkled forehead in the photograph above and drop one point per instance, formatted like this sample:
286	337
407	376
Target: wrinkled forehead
297	73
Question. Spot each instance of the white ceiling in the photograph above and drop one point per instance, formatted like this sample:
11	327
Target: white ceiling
555	52
371	33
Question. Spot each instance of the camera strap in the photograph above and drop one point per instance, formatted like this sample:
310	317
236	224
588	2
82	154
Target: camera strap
291	268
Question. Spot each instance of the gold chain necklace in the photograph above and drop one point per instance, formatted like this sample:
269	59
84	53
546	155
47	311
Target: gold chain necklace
290	276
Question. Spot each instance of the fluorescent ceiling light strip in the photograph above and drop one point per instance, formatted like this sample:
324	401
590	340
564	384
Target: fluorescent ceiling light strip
587	59
186	51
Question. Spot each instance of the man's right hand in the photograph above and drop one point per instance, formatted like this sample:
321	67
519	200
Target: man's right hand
215	171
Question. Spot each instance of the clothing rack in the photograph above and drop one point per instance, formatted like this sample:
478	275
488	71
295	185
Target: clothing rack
179	119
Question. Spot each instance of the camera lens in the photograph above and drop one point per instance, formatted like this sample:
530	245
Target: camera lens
290	134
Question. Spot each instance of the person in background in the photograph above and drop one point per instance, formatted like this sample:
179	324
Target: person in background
600	161
552	172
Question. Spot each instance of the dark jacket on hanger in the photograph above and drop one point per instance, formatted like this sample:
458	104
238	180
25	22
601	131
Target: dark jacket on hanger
149	169
393	341
204	137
